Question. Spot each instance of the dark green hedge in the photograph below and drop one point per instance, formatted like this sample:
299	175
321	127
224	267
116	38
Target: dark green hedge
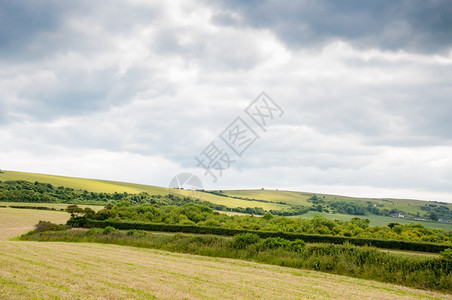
308	238
35	207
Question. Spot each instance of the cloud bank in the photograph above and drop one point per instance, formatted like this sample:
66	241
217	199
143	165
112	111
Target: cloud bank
135	90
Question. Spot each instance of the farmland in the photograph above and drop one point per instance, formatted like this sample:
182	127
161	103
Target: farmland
104	186
55	206
375	220
275	200
80	270
301	198
18	221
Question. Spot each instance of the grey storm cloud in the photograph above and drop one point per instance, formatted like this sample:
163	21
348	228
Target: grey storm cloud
31	30
424	26
27	20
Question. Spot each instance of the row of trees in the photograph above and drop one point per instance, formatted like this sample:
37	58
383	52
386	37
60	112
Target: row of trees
433	211
23	191
202	215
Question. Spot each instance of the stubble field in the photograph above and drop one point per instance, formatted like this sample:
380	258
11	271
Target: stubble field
44	270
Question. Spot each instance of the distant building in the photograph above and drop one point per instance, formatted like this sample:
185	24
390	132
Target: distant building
399	215
420	219
444	221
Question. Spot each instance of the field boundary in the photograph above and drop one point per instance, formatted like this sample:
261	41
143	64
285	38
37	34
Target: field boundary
308	238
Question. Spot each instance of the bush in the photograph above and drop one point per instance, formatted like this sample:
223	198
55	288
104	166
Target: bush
447	254
76	222
243	240
95	231
49	226
297	246
136	232
275	242
109	229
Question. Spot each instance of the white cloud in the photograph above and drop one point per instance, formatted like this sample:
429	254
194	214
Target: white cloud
135	99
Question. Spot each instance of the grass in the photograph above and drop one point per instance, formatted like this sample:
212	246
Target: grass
293	198
361	262
57	206
300	198
98	186
17	221
91	185
273	196
81	270
374	220
68	270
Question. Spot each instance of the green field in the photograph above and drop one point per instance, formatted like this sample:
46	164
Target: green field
57	206
98	186
300	198
374	220
271	196
293	198
51	270
14	222
91	185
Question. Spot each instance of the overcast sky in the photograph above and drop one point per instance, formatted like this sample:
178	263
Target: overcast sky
135	90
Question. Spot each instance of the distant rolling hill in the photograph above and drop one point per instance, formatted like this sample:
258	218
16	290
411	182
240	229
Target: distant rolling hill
409	206
267	199
106	186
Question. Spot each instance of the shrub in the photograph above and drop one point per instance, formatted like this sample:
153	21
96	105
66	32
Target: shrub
95	231
76	222
109	229
392	224
275	242
243	240
297	246
447	254
136	232
49	226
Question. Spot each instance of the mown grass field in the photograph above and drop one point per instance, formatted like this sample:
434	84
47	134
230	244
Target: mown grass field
14	222
48	270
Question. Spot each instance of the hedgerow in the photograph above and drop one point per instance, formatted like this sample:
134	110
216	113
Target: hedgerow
308	238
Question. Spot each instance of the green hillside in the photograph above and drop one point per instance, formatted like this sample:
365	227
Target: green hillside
91	185
275	200
409	206
105	186
414	208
